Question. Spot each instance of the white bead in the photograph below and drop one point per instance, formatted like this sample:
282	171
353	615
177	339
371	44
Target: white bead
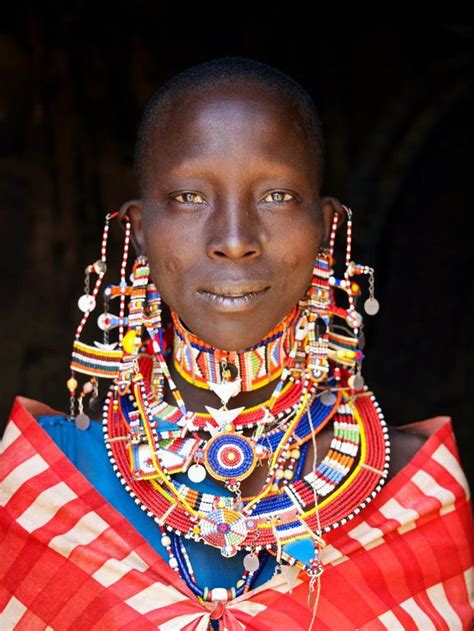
165	541
173	563
86	303
219	593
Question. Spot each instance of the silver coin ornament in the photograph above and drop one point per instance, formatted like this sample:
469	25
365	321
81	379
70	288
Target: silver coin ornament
328	398
82	421
100	267
86	303
356	382
251	562
196	473
371	306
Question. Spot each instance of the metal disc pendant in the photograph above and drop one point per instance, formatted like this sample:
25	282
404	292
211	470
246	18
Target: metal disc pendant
86	303
100	267
371	306
196	473
82	421
356	382
251	562
328	398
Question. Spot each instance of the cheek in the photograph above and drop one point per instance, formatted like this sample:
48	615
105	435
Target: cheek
173	265
291	261
298	251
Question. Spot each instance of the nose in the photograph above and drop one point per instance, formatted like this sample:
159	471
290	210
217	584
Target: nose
235	233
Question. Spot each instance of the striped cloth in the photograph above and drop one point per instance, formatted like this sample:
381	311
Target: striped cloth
69	560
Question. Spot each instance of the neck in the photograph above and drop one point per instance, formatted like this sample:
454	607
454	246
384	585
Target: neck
197	398
197	363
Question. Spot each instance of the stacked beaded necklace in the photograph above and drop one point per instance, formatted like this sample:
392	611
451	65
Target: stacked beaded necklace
290	514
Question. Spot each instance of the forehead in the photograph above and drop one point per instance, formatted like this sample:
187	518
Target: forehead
229	120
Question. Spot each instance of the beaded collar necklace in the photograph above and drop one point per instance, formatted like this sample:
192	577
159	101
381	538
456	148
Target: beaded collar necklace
199	363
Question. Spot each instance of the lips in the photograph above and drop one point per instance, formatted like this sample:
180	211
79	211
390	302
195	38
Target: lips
235	289
239	296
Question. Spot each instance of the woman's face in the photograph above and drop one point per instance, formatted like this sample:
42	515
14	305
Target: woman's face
231	221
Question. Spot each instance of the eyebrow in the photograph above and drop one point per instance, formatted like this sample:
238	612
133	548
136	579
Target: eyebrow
198	168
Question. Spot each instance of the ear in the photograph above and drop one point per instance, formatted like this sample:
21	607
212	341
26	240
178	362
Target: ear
329	206
133	210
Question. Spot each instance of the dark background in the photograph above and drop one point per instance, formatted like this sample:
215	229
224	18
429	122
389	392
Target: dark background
396	104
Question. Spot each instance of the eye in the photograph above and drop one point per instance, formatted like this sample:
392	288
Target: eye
189	198
279	196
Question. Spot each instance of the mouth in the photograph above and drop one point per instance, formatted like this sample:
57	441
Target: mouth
233	298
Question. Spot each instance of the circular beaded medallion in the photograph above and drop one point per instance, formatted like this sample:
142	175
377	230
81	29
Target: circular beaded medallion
230	457
224	528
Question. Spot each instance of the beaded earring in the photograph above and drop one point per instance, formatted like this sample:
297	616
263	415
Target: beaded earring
116	360
316	307
347	349
102	359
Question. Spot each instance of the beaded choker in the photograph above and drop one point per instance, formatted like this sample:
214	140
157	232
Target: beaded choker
199	363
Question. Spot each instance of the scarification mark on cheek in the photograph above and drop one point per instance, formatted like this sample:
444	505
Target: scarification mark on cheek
173	264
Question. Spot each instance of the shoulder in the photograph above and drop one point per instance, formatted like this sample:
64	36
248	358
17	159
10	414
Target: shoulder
403	447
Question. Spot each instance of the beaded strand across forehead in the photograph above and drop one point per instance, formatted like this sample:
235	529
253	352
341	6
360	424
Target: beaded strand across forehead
316	366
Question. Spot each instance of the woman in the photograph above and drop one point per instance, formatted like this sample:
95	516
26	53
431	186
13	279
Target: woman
246	478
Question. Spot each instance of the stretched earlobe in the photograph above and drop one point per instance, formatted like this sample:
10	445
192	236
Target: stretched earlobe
329	206
132	210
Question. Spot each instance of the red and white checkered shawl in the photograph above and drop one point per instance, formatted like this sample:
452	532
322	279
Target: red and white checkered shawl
69	560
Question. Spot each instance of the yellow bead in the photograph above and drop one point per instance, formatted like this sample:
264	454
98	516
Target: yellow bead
221	504
128	341
288	474
346	354
196	530
274	488
72	383
295	453
279	474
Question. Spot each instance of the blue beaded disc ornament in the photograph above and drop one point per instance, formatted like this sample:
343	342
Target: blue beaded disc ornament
230	457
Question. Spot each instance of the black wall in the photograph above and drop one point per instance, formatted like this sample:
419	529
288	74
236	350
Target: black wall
396	105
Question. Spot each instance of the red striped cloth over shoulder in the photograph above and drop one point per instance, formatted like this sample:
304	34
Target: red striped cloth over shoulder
69	560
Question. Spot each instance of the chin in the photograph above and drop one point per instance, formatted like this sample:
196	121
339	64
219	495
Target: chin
234	333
